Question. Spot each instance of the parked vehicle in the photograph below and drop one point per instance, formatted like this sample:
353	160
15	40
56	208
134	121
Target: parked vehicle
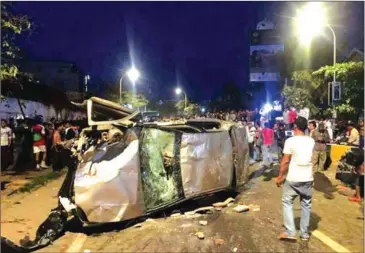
150	116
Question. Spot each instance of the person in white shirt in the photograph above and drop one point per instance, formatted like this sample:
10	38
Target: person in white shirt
251	132
286	117
297	164
304	113
328	126
6	141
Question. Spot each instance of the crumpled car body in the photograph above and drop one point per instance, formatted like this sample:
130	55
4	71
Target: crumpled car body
155	166
166	164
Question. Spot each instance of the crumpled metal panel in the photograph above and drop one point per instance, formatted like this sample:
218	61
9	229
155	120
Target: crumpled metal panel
206	162
240	154
108	186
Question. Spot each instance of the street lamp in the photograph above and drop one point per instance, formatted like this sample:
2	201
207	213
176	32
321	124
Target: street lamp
310	21
133	75
178	91
86	78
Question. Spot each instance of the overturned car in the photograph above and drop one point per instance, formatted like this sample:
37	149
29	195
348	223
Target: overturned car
149	167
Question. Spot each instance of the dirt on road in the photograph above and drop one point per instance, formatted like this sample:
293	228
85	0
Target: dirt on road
226	231
229	231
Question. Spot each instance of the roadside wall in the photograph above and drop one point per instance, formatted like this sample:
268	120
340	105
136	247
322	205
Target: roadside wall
9	107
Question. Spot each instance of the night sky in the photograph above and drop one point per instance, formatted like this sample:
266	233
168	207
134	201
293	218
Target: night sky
198	45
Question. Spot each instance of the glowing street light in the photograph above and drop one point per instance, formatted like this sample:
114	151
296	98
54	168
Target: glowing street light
178	91
133	75
267	108
309	23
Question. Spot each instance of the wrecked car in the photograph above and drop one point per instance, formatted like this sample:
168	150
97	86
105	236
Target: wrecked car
149	167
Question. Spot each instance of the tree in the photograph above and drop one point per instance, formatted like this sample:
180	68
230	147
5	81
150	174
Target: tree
299	98
12	26
311	88
166	109
136	100
300	94
351	75
191	110
180	105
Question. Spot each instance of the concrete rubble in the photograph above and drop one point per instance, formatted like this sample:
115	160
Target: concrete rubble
203	222
223	204
241	208
200	235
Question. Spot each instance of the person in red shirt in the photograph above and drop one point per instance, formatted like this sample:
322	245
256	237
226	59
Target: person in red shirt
39	144
292	118
268	139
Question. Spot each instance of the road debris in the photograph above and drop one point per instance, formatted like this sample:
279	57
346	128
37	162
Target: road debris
234	250
175	215
87	251
254	208
203	222
200	235
186	225
138	225
150	220
218	241
241	208
207	209
191	216
218	208
230	204
224	204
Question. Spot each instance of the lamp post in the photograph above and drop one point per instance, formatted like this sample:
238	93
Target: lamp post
86	78
133	75
178	91
310	21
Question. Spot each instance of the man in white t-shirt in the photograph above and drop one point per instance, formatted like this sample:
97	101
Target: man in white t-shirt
328	126
251	132
297	163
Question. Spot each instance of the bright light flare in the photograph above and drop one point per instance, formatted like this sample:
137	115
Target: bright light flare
133	74
178	91
267	108
310	21
203	110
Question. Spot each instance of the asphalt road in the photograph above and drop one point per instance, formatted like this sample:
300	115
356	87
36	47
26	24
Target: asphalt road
333	229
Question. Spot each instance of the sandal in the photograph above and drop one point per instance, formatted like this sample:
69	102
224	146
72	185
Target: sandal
285	237
355	199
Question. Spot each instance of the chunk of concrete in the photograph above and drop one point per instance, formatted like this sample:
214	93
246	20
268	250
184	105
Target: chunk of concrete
203	222
200	235
241	208
225	203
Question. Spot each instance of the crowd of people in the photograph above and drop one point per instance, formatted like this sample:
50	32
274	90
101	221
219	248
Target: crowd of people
31	143
304	154
261	139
